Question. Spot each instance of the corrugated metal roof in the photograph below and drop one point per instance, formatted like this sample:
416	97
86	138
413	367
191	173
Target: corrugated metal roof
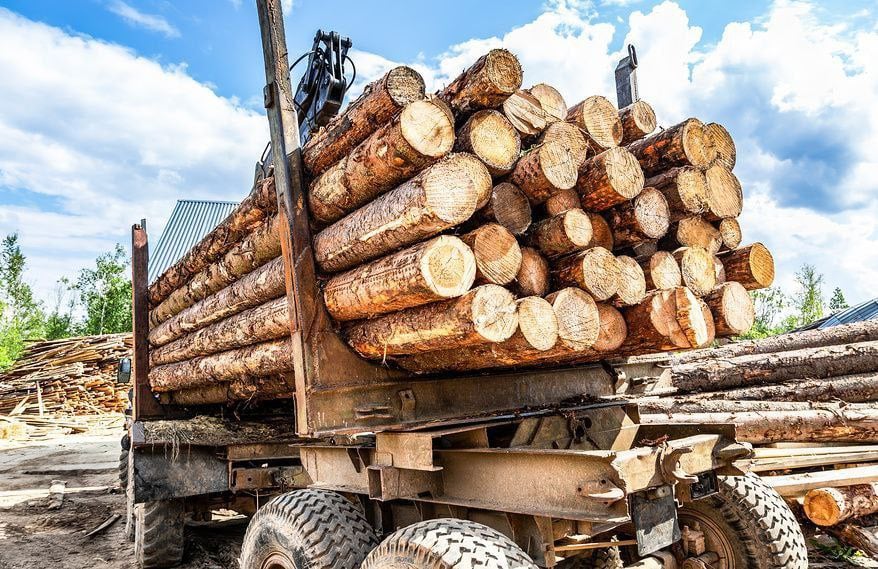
189	222
859	313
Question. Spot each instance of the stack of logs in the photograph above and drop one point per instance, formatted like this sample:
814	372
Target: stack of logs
486	226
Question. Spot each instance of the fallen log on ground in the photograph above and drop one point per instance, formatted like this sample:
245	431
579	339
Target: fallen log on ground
830	506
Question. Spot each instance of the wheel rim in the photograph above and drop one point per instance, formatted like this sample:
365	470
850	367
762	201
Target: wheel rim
715	538
278	560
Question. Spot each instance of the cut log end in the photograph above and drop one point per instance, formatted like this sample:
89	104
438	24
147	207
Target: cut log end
693	231
697	269
685	189
458	174
596	271
599	119
493	313
550	100
544	171
509	207
525	113
632	282
752	266
493	139
662	271
724	195
732	309
570	137
562	201
697	145
533	276
726	154
485	84
610	178
730	231
638	120
537	322
564	233
428	126
404	85
503	70
497	253
577	316
613	330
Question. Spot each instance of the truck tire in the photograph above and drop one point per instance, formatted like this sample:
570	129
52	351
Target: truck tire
123	469
307	529
158	534
749	525
448	544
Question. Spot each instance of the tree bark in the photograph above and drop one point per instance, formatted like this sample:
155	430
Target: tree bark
732	309
752	266
644	218
632	282
601	233
486	84
485	314
570	137
685	188
830	506
525	113
638	121
417	137
669	319
724	195
492	138
380	100
862	538
661	271
562	234
247	216
562	201
719	271
730	232
724	144
551	101
497	254
242	389
599	121
856	388
438	198
544	171
509	207
533	276
608	179
697	269
684	144
692	231
595	270
441	268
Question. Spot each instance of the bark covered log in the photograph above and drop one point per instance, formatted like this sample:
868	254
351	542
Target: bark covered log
830	506
692	231
485	84
644	218
533	275
724	195
562	234
752	266
863	538
544	171
661	270
378	103
856	388
240	389
525	114
441	268
697	269
685	188
550	100
595	270
632	282
497	254
509	207
601	232
599	120
669	319
684	144
724	144
608	179
438	198
492	138
732	309
638	121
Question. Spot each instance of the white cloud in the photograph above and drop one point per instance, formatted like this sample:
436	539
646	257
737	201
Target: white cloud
136	18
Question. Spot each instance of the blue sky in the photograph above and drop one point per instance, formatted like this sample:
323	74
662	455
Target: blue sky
112	109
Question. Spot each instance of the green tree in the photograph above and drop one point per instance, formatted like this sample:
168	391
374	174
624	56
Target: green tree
104	294
21	316
59	322
769	303
808	302
837	302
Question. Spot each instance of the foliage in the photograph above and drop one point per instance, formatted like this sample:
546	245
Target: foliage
837	302
104	295
769	303
59	322
808	301
21	316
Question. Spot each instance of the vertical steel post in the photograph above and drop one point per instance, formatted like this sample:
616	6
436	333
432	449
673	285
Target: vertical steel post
144	404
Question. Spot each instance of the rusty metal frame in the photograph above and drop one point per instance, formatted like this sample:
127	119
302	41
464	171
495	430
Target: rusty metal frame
144	404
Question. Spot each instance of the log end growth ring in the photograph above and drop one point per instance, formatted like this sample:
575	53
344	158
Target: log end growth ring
697	144
761	265
623	172
613	329
503	70
494	140
456	187
405	85
494	313
537	322
558	165
652	213
601	121
449	267
578	317
428	126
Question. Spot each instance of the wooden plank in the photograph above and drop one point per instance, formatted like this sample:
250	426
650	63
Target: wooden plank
797	484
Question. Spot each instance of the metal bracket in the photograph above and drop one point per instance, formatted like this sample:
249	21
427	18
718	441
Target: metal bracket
669	460
626	79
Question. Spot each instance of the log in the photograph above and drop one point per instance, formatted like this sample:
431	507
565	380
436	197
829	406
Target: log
685	188
417	137
551	101
484	85
692	231
601	233
441	268
644	218
378	103
246	217
570	137
485	314
669	319
855	388
661	270
509	207
537	324
442	196
543	171
697	269
533	275
562	234
638	121
562	201
492	138
863	538
252	252
684	144
241	389
577	316
724	144
732	309
497	254
608	179
752	266
269	321
719	270
263	284
599	120
795	485
730	232
265	359
525	114
632	282
830	506
595	270
724	195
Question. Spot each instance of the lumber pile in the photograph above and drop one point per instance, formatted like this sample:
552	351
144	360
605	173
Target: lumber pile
72	376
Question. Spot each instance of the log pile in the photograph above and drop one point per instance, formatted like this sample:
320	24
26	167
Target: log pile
442	221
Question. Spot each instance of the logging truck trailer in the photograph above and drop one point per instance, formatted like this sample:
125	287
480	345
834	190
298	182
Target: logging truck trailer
367	466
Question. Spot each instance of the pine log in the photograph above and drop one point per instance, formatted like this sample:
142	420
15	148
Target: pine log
830	506
533	276
266	359
245	218
601	233
638	121
269	321
697	269
724	195
537	324
525	113
241	389
497	254
599	121
685	188
661	270
669	319
263	284
864	539
684	144
377	104
438	198
692	231
484	85
492	138
551	101
562	201
724	144
577	316
644	218
562	234
417	137
752	266
730	232
256	249
608	179
441	268
855	388
732	309
569	136
719	271
595	270
632	282
509	207
543	171
485	314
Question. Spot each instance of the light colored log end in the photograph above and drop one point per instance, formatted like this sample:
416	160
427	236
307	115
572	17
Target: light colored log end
428	126
577	316
497	253
599	118
724	195
726	154
632	282
697	269
613	330
537	322
550	100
